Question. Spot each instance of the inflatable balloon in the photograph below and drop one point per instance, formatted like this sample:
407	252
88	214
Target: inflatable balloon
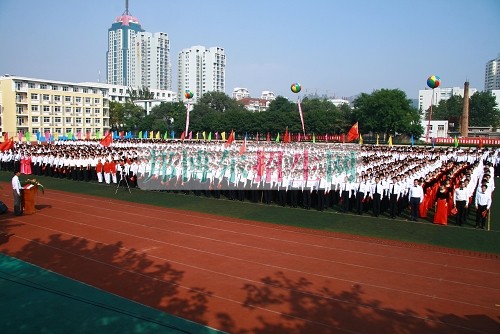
433	81
188	94
296	87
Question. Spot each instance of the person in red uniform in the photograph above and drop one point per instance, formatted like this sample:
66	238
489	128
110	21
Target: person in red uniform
107	171
441	214
99	168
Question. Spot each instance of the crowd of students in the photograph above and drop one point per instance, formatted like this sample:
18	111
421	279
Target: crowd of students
379	180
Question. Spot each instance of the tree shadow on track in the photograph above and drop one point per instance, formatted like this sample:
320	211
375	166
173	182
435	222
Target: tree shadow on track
351	311
124	272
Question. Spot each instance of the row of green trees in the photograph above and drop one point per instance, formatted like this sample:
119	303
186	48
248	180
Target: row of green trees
483	111
385	112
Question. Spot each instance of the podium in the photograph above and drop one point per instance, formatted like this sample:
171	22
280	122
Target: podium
28	199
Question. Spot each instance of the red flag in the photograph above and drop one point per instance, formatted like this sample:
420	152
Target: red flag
106	141
243	146
353	133
190	135
268	137
230	139
183	135
257	137
326	138
7	145
287	136
87	135
5	136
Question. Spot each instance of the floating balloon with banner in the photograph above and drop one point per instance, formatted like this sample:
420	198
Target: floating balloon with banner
433	81
188	94
296	87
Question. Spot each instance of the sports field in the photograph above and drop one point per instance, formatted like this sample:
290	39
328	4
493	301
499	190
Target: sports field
172	262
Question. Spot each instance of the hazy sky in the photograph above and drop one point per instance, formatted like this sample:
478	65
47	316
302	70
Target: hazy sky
340	48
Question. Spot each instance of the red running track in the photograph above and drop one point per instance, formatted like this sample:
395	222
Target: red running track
248	277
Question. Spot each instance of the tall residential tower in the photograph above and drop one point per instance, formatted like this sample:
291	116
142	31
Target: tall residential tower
201	70
137	58
492	74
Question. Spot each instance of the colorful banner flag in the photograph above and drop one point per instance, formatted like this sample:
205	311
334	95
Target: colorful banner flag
188	107
243	146
301	116
277	138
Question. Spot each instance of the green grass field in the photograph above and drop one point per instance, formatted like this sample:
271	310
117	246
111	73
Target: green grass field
465	238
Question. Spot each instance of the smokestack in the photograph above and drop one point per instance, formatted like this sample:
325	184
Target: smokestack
464	126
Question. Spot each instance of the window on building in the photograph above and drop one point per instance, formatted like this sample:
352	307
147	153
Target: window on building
46	97
54	87
67	98
46	108
440	127
57	119
34	108
68	120
78	120
57	109
65	88
34	119
31	85
97	111
78	99
46	119
85	90
57	98
67	110
88	120
78	110
43	86
87	110
34	96
97	101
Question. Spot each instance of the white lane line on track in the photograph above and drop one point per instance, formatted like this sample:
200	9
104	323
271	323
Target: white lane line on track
439	279
208	295
166	219
254	262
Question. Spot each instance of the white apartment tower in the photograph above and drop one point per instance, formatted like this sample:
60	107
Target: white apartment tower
152	61
492	74
440	94
137	58
201	70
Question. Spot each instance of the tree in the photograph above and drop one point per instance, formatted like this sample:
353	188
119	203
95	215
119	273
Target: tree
387	111
167	116
116	114
483	110
139	94
448	110
218	101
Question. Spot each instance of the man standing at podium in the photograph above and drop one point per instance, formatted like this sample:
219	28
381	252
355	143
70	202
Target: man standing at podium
16	187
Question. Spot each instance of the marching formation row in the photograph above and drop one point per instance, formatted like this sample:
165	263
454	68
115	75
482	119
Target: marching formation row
355	178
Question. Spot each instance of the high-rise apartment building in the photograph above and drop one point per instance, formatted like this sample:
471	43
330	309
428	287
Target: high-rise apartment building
492	74
201	70
137	58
